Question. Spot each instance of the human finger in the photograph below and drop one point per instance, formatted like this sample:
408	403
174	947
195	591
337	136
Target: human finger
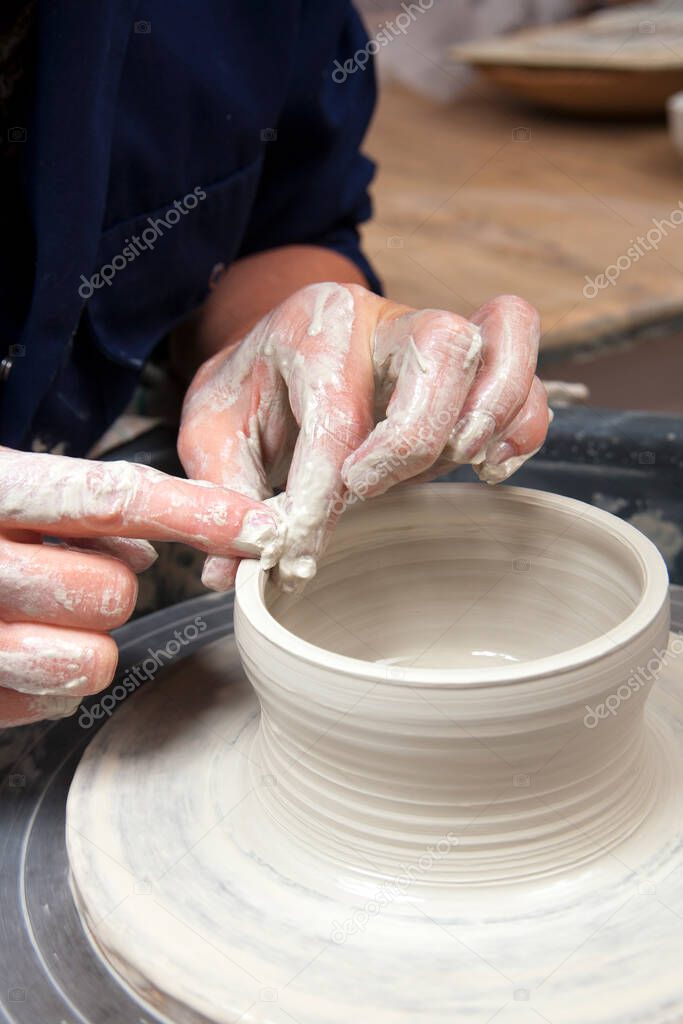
24	708
521	439
434	356
46	660
75	497
138	555
330	392
510	329
50	584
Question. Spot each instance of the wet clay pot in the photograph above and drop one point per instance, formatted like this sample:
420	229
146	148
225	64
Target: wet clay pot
446	794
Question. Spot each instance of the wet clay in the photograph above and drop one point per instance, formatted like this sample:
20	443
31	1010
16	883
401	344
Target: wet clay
445	790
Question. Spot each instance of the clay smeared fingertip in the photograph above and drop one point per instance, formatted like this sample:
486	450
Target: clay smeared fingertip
305	567
347	468
497	473
300	569
218	573
469	436
137	554
500	453
473	355
260	532
490	474
57	708
293	573
263	536
142	556
350	479
106	662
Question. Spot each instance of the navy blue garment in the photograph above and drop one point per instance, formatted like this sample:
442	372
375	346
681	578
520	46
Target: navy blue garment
208	130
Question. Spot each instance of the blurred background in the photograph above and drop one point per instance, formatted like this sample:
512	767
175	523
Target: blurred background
480	191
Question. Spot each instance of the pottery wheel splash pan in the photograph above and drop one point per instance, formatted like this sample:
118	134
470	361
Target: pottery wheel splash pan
51	972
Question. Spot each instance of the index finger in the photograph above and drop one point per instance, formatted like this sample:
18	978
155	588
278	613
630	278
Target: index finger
330	393
70	497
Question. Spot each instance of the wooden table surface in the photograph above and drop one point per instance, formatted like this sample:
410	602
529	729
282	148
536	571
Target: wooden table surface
480	197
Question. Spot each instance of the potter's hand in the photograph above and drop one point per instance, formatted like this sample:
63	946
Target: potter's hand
377	393
58	602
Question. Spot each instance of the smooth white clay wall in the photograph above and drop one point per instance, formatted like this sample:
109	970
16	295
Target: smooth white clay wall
461	636
485	582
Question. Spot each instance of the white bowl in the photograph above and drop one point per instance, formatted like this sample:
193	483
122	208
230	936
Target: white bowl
451	632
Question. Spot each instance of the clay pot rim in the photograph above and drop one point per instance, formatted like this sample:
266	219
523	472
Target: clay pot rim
250	602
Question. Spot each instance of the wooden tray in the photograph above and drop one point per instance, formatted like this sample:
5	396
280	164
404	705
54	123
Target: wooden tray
624	62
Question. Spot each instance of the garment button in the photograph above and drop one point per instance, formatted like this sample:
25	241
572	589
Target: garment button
5	368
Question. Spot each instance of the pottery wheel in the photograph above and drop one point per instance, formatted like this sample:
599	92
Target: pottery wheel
51	973
207	920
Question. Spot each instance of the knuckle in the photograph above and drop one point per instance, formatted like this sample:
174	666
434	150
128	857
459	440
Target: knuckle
432	320
447	334
118	596
192	446
337	425
110	489
515	305
185	444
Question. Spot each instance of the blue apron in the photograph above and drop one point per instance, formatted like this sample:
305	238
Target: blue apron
164	138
